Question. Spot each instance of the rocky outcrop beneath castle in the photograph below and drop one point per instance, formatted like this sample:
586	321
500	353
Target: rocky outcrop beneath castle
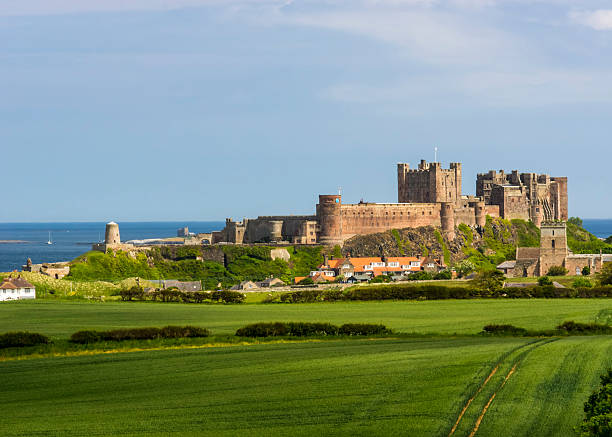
497	238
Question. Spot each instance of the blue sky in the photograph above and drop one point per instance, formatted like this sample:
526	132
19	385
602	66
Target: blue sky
203	109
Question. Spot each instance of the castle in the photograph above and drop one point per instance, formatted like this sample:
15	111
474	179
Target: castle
426	196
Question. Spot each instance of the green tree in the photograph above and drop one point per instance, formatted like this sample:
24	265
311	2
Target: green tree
605	276
306	281
586	271
465	267
575	221
557	271
598	410
490	281
544	280
336	252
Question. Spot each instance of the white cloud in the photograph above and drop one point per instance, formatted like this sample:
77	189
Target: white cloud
600	19
531	88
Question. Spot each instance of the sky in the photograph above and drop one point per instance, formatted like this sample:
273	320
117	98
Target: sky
145	110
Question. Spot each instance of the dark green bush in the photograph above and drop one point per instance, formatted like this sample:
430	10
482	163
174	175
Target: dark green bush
557	271
443	275
576	328
22	339
228	296
509	330
263	330
544	280
84	337
598	410
363	329
306	329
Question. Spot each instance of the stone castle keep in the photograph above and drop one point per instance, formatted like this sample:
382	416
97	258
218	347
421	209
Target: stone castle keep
426	196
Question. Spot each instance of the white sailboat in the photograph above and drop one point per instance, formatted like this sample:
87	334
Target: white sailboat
49	241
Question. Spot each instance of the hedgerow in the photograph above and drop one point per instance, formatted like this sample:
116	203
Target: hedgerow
84	337
438	292
308	329
22	339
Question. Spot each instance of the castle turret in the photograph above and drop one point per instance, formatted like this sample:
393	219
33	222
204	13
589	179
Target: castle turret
329	216
111	235
480	214
447	218
276	230
536	214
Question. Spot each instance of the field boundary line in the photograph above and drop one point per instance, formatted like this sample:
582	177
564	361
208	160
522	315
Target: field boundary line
141	349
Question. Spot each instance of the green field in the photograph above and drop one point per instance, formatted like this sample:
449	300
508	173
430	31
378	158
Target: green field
421	386
347	387
59	319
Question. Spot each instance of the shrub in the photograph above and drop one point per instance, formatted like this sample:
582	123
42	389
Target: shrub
363	329
586	271
22	339
489	281
306	281
228	296
605	276
444	275
544	280
582	283
598	410
509	330
420	276
576	328
132	293
263	330
85	337
306	329
557	271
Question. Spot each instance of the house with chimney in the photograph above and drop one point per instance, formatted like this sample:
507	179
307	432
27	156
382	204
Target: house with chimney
16	289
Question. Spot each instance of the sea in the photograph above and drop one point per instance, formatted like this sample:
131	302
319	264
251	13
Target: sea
70	240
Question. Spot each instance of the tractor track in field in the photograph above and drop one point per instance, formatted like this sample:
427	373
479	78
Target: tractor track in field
514	363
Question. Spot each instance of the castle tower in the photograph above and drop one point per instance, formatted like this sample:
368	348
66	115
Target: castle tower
329	217
111	235
480	214
447	218
430	183
276	230
537	214
553	245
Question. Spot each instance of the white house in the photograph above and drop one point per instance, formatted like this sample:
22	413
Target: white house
16	289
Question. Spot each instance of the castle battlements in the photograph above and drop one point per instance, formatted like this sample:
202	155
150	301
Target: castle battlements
428	195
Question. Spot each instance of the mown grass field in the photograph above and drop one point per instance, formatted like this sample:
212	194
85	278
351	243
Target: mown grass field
430	385
412	387
59	319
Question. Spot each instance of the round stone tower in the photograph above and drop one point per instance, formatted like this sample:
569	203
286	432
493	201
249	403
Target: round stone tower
537	215
329	217
479	211
112	233
447	218
276	230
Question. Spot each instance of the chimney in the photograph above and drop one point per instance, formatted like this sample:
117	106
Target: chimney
325	260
